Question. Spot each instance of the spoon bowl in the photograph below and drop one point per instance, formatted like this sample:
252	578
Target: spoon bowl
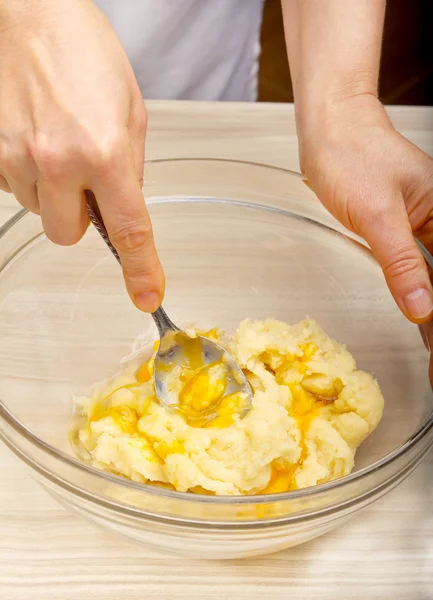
197	377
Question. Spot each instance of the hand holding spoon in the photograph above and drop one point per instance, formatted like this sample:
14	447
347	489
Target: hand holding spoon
216	375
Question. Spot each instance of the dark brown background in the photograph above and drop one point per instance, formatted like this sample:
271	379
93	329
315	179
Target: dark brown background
407	58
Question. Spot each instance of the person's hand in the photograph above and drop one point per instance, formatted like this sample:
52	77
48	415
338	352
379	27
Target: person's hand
72	118
380	186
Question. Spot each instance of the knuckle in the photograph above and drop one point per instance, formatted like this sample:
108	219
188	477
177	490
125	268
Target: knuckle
136	272
364	220
406	262
377	217
41	152
49	160
11	159
380	215
130	237
104	152
55	158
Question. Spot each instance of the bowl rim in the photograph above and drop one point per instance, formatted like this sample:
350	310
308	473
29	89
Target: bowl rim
19	427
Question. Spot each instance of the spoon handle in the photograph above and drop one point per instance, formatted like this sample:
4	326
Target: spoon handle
162	320
97	220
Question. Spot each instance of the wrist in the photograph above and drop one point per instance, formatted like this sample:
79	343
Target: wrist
328	122
322	96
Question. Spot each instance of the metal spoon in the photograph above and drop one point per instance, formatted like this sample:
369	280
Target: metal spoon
176	349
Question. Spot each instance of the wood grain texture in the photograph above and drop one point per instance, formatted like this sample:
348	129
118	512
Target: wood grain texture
384	552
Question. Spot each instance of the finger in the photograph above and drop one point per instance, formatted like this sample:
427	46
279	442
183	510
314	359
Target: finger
122	206
390	237
63	212
4	184
137	130
19	175
137	147
26	194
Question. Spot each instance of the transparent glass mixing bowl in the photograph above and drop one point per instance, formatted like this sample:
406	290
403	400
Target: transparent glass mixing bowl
236	240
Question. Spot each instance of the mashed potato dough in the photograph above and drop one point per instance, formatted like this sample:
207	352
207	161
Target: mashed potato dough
311	410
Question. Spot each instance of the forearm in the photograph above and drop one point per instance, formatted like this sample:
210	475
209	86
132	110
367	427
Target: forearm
15	7
13	12
334	52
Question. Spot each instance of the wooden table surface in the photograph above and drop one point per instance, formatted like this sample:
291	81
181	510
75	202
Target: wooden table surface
384	552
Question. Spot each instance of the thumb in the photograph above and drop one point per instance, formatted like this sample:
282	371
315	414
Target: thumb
389	235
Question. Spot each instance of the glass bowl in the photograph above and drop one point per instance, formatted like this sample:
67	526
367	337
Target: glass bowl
236	240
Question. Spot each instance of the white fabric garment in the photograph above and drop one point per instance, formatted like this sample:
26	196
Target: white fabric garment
190	49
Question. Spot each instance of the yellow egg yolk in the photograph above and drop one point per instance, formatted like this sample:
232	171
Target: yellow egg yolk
204	389
305	407
203	392
143	373
201	399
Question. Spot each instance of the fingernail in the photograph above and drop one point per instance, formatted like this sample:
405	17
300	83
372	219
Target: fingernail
147	302
419	304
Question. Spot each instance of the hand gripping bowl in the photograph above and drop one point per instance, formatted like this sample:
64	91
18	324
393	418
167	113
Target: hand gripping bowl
236	240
